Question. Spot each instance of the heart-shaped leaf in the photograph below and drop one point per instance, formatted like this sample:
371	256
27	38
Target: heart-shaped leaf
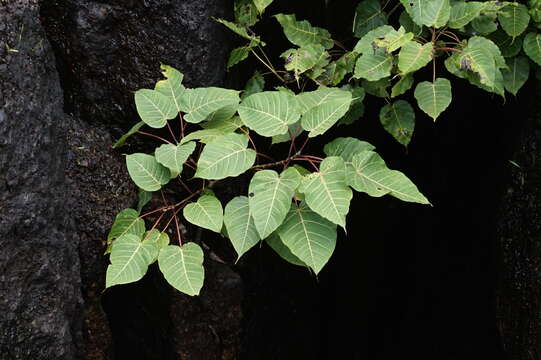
146	172
154	108
398	119
207	213
433	98
240	225
174	156
182	267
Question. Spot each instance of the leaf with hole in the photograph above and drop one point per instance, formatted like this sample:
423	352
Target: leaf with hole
366	45
207	213
182	267
398	119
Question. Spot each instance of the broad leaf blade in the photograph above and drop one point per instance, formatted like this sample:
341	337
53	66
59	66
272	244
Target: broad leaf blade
146	172
368	16
126	222
171	87
346	148
517	73
462	13
200	103
174	156
240	225
532	46
433	98
398	119
182	267
414	56
404	84
374	66
207	213
301	33
281	249
322	108
261	5
154	108
514	19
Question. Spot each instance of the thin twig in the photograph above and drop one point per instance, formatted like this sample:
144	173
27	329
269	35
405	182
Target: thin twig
154	136
171	132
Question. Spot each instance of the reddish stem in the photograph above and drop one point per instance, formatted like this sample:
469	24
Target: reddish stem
154	136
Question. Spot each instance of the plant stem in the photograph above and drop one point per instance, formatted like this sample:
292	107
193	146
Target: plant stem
171	132
154	136
268	66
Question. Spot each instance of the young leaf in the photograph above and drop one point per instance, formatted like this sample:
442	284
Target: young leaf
374	66
281	249
130	258
368	16
368	173
154	108
245	12
240	225
171	87
269	113
301	33
514	19
462	13
433	98
261	5
322	108
516	74
126	222
346	148
207	213
198	104
398	119
270	198
326	191
124	137
404	84
532	46
174	156
143	197
255	84
310	237
227	155
414	56
182	267
239	54
240	30
146	172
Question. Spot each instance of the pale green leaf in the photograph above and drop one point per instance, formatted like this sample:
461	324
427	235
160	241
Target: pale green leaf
428	12
368	173
281	249
433	98
462	13
393	40
240	225
404	84
294	130
366	44
225	156
207	213
154	108
322	108
398	119
368	16
532	46
161	239
120	142
414	56
373	66
326	191
308	236
129	258
226	125
515	76
146	172
270	198
174	156
514	19
269	113
182	267
171	87
261	5
143	197
200	103
126	222
301	33
346	147
205	136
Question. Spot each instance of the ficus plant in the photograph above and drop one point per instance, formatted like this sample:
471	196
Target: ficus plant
298	203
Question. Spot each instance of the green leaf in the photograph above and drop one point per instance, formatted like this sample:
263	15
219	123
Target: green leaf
207	213
281	249
270	198
255	84
143	197
301	33
120	142
226	125
414	56
239	54
160	239
129	258
485	24
336	71
322	108
346	148
483	57
126	222
182	267
245	12
433	98
240	30
205	136
368	173
310	237
368	16
326	191
305	58
240	225
404	84
261	5
374	66
514	19
398	119
174	156
428	12
295	130
225	156
508	46
377	88
146	172
462	13
394	40
408	24
515	76
154	108
198	104
356	109
171	87
366	44
532	46
269	113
